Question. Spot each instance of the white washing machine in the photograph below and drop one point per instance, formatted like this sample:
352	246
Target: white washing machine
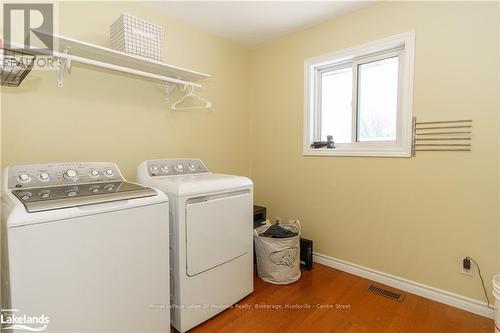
84	249
211	244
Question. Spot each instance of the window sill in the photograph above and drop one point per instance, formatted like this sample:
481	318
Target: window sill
394	152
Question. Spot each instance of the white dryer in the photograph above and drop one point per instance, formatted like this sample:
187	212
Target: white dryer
83	249
211	237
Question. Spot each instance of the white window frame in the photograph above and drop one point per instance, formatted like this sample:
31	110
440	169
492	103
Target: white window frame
402	46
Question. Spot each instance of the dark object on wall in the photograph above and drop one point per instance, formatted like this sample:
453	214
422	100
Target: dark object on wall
14	66
259	216
306	253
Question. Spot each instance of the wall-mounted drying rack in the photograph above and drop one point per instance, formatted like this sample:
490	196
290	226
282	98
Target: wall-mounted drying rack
72	50
451	135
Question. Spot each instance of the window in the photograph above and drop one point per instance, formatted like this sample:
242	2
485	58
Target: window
363	98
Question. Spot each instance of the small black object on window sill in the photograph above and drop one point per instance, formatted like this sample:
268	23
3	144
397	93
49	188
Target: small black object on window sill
329	142
322	144
318	144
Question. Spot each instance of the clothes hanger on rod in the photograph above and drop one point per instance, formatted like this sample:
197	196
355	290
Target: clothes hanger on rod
190	94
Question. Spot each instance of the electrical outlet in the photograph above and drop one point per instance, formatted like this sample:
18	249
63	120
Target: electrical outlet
463	270
277	220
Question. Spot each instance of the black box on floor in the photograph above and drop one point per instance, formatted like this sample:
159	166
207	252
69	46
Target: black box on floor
259	216
306	253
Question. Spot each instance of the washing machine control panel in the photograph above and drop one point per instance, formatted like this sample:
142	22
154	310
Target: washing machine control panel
48	198
57	174
173	167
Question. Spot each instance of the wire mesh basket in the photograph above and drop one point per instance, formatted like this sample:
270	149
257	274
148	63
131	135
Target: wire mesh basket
133	35
14	66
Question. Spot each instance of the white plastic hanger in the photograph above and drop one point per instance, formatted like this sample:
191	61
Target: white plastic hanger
176	107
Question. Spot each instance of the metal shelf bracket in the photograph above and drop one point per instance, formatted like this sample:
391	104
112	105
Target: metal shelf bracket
62	63
169	89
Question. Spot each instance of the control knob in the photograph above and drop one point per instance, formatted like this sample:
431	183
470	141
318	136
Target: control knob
94	173
164	168
72	191
154	169
71	174
25	195
44	194
24	178
109	172
44	177
94	189
109	187
192	167
179	168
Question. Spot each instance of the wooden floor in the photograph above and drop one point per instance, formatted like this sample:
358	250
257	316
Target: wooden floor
348	307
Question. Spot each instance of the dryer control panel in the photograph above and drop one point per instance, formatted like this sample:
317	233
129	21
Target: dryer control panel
175	167
57	174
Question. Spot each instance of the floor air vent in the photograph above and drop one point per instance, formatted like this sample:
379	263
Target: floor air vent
386	293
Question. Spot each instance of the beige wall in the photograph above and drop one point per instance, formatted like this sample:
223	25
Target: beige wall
103	115
411	217
408	217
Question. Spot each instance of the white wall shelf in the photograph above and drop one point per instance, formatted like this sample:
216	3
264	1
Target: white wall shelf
69	50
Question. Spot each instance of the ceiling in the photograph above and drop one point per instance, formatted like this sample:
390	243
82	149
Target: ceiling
252	23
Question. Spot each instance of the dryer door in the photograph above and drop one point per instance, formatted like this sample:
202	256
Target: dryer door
218	229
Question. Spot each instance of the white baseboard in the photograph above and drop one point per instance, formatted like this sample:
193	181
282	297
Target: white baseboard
439	295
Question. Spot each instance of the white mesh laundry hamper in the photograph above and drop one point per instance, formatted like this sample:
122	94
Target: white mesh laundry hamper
278	259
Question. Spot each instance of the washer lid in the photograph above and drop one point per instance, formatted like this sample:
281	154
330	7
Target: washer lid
202	183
